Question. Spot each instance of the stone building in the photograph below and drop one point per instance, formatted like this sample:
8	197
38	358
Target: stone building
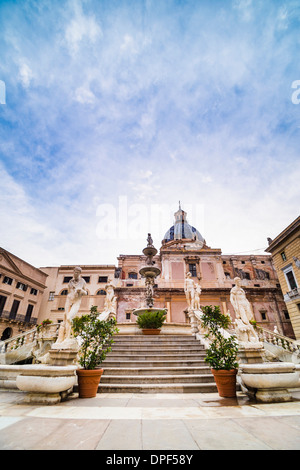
21	291
55	295
183	249
285	249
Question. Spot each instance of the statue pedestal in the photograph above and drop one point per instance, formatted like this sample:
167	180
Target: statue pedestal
195	316
64	353
250	355
64	357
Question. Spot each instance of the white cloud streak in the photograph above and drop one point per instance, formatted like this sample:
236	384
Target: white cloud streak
158	103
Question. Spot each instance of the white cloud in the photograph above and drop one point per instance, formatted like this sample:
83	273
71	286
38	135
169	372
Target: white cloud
179	107
84	95
25	75
81	27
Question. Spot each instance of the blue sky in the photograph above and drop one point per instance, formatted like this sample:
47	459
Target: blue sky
148	102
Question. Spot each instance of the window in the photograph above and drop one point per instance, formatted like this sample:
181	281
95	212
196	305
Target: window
2	302
286	313
51	296
290	278
101	292
129	285
33	291
102	279
193	269
128	315
86	278
14	309
67	279
7	280
64	292
28	312
243	262
132	275
61	309
263	314
283	256
22	286
256	285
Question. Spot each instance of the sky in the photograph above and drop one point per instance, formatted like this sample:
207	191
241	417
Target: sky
113	111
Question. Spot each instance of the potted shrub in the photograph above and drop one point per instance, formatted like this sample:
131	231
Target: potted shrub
151	321
95	338
222	352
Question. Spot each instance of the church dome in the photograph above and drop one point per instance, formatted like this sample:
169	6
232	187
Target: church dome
182	229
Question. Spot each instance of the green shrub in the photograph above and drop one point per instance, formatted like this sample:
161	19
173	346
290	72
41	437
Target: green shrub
151	319
222	352
96	338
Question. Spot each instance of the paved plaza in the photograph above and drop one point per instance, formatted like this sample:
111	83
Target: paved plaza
162	422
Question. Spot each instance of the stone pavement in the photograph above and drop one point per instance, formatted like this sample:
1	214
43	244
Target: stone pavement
157	422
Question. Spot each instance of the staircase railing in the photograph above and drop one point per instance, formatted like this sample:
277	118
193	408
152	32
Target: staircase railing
279	340
43	332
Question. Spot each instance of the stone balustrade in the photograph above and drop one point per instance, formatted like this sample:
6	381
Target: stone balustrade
42	333
278	340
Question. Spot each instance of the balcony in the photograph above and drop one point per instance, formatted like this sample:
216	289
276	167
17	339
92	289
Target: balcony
6	315
292	294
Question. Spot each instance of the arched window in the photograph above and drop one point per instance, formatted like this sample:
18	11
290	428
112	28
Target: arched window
101	292
7	333
64	292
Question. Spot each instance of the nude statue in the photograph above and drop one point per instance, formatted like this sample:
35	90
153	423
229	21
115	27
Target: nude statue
76	289
244	330
189	289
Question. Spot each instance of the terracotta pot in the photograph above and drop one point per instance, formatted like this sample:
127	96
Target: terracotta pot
88	381
150	331
226	382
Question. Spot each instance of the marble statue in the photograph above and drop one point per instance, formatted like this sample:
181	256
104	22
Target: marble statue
110	304
189	289
110	300
192	293
197	294
76	289
245	332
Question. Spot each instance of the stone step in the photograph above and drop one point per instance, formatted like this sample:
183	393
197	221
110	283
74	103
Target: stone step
147	344
157	379
156	364
156	370
155	357
158	388
160	337
160	347
149	341
150	363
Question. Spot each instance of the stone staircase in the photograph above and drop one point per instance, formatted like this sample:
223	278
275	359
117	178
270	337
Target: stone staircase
156	364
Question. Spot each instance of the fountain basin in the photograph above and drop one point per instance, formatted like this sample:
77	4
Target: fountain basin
46	384
149	271
270	382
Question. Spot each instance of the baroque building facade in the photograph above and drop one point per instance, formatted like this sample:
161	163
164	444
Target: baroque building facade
21	292
285	250
183	250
